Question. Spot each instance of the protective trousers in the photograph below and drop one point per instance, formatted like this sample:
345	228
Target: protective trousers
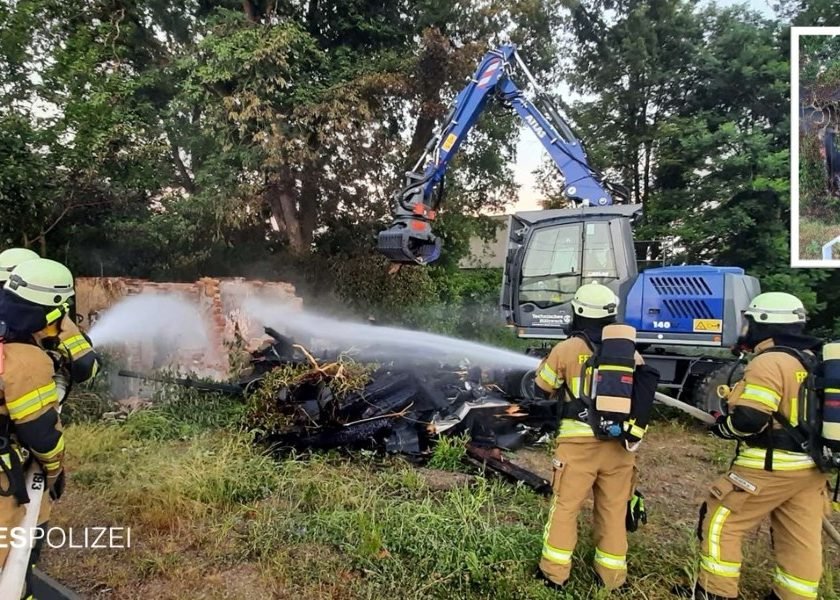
738	502
606	468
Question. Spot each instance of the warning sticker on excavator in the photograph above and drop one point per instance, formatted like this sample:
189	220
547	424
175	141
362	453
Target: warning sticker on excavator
449	142
708	325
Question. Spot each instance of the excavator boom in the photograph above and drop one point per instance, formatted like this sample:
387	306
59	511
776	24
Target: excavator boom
410	239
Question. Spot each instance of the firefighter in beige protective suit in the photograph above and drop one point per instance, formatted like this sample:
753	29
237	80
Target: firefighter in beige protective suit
70	348
770	475
584	459
29	415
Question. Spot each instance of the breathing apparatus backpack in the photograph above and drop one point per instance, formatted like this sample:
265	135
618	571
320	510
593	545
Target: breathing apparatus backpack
817	432
617	393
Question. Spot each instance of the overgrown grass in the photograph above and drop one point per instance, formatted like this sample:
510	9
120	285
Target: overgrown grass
180	413
813	235
212	517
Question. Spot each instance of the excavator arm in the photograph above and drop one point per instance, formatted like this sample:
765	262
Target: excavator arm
409	239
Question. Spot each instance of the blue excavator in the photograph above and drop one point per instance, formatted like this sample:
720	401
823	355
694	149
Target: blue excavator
686	316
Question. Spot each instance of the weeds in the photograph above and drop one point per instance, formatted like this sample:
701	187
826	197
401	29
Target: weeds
813	235
449	453
87	402
159	483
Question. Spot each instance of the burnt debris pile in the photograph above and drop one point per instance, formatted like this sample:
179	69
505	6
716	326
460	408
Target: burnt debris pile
326	400
302	401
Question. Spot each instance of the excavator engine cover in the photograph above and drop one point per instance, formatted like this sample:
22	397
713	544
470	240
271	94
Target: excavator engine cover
409	240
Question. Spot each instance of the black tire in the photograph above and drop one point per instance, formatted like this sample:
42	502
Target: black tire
705	394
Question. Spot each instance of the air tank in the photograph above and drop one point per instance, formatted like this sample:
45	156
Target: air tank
831	401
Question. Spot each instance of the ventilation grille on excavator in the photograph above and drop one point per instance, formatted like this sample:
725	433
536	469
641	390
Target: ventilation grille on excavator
688	309
681	286
681	296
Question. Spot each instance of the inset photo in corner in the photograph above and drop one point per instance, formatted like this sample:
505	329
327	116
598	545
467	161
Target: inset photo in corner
815	146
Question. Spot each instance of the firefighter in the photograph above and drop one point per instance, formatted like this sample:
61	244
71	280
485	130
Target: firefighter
72	348
76	360
29	413
11	258
583	462
770	475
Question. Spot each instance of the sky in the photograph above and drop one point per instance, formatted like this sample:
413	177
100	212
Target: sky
530	153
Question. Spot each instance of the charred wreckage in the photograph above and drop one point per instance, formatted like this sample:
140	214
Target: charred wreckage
300	401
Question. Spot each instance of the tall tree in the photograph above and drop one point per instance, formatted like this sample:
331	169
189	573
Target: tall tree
633	58
283	119
690	108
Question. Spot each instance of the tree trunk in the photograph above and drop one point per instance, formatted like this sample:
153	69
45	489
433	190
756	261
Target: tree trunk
433	70
280	197
646	183
308	207
186	179
251	11
312	17
637	192
423	131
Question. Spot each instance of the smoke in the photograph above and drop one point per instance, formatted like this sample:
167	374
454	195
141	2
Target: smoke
167	320
374	340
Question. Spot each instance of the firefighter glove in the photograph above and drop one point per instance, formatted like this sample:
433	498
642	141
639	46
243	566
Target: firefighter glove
636	513
722	428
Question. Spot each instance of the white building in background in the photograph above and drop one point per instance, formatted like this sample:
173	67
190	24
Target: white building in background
488	254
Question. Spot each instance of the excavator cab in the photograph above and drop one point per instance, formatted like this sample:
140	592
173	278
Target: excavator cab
552	253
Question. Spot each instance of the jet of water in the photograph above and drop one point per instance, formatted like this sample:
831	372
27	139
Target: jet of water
403	343
165	319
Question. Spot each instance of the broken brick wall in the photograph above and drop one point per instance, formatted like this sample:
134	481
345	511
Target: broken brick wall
220	300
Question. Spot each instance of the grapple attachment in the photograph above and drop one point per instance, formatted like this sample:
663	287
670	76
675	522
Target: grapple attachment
409	240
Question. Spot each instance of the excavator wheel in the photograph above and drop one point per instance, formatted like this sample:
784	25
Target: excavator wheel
705	395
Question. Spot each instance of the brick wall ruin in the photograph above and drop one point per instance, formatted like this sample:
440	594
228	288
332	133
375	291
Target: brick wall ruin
219	299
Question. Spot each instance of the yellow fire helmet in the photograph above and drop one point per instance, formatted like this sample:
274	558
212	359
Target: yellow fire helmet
42	281
595	301
11	258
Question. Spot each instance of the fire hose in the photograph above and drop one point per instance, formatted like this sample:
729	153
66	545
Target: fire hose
14	569
708	419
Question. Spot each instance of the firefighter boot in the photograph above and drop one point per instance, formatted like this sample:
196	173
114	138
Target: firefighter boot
539	575
690	592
